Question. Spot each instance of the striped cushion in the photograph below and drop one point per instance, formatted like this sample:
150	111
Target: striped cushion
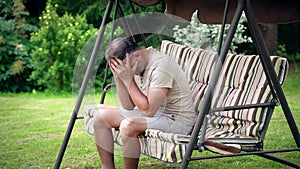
179	53
89	111
167	147
243	82
197	65
199	70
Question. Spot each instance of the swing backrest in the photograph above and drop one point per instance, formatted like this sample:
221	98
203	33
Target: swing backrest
242	81
197	65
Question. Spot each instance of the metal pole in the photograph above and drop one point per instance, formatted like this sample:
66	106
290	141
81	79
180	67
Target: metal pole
128	32
269	70
204	109
83	86
124	23
137	24
223	26
280	160
103	94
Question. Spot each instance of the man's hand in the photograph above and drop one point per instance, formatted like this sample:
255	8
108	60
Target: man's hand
124	70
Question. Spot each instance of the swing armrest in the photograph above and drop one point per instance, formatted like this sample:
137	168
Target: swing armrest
104	90
107	87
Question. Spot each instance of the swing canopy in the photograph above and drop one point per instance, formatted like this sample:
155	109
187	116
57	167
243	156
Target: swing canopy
211	11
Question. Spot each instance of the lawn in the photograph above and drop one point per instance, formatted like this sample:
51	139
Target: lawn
33	127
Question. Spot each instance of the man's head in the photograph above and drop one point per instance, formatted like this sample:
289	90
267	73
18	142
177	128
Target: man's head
119	47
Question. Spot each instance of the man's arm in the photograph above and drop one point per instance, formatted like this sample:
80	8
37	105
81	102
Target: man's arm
131	96
123	94
149	104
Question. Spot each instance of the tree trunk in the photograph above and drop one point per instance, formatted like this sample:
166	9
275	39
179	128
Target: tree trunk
270	34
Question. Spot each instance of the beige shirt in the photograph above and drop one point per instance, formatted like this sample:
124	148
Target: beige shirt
163	72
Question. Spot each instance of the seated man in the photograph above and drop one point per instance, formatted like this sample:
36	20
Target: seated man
154	94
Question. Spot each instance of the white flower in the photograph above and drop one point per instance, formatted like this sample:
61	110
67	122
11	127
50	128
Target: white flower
207	35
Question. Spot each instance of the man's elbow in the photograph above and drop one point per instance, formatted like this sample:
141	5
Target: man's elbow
148	112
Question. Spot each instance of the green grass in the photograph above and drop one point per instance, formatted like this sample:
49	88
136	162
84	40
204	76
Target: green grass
33	127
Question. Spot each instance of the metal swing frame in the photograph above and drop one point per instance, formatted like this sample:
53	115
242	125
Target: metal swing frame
242	6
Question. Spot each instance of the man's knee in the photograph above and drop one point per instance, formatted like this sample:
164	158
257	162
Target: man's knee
131	128
100	119
127	128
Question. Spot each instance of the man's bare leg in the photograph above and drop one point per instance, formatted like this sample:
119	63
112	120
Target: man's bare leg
130	130
131	152
104	121
106	154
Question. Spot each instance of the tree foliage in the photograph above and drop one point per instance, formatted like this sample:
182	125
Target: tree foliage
93	10
58	42
58	36
15	66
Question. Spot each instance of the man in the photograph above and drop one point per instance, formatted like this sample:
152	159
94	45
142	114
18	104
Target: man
154	94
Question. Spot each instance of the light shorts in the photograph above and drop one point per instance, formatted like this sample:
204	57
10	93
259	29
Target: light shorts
160	121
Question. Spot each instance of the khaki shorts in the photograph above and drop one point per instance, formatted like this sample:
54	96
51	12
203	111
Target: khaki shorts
160	121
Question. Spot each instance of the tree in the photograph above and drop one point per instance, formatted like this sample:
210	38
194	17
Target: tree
15	66
270	35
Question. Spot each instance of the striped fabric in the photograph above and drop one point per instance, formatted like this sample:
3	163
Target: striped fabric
179	53
242	81
167	147
89	112
197	65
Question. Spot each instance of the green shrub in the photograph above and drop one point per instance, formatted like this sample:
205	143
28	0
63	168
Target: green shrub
58	42
283	52
292	58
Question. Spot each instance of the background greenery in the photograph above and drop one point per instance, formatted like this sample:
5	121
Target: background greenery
40	40
15	59
57	43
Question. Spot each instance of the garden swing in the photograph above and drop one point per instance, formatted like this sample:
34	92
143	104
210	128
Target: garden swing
216	129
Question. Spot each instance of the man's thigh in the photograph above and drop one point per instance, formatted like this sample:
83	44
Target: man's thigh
162	121
109	115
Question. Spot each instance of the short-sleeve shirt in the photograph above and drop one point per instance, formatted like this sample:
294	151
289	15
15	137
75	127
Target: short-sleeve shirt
163	72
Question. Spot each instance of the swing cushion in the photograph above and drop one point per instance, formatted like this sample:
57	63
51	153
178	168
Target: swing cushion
242	81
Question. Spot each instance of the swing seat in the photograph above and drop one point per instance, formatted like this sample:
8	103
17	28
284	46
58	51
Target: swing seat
241	107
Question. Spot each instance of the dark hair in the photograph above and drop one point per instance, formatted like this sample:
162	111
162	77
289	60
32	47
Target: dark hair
119	47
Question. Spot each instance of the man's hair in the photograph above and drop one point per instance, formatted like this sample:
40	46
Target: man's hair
119	47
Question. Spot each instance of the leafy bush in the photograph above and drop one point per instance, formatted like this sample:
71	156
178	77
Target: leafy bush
206	36
282	51
15	66
58	42
292	58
